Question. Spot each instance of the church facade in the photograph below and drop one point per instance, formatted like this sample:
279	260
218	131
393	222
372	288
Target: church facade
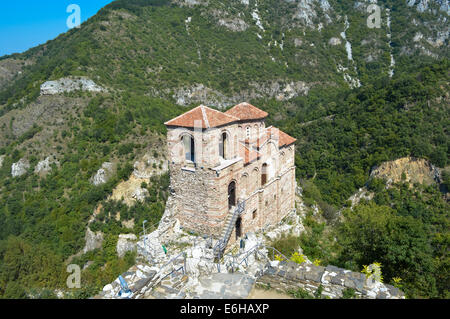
219	161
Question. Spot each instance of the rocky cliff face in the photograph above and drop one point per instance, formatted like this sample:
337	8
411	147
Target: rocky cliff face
408	169
281	90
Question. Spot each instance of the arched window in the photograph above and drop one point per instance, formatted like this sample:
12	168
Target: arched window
264	174
223	145
189	148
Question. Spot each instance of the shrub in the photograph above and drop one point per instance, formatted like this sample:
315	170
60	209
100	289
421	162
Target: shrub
348	293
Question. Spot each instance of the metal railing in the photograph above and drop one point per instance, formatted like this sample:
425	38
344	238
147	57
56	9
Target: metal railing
222	243
149	228
237	260
171	261
276	250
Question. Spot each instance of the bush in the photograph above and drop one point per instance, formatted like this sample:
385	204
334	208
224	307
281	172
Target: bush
348	293
287	244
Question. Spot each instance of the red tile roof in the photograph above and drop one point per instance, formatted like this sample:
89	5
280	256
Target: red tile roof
246	111
206	116
283	138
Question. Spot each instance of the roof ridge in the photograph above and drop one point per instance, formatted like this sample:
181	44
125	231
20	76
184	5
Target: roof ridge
229	115
183	114
205	118
246	111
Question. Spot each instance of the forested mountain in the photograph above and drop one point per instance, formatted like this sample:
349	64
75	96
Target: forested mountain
353	96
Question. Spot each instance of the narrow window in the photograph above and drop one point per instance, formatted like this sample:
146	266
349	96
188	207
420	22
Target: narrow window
264	174
223	146
247	132
189	148
254	214
238	227
231	195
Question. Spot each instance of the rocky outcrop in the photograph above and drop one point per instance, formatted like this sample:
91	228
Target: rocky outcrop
200	94
289	276
130	191
307	11
149	166
291	224
362	193
44	166
233	24
408	169
190	3
425	5
334	41
93	240
70	84
125	243
103	174
20	168
2	158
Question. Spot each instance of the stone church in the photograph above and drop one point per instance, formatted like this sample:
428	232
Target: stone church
229	173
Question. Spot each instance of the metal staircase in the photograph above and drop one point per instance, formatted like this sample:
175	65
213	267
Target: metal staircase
226	232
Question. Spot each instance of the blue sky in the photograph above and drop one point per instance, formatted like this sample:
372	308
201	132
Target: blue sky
25	24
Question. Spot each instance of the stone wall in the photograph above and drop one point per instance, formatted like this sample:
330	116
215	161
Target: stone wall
194	199
288	276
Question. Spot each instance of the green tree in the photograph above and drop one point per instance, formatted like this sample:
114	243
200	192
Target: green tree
400	243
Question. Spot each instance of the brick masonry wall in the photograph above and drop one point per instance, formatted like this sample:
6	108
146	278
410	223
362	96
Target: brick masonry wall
288	276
